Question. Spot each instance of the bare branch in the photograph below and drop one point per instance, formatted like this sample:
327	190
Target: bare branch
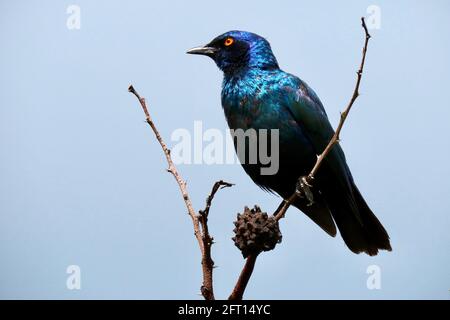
199	221
207	261
335	139
244	277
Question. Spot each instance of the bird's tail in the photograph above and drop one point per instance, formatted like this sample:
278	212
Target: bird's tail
365	234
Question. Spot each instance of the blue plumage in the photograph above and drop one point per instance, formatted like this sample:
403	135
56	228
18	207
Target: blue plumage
257	94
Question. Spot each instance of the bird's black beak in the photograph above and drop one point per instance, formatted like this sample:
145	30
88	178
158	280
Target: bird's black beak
206	51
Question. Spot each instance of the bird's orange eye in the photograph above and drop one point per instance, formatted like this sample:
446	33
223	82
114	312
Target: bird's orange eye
228	42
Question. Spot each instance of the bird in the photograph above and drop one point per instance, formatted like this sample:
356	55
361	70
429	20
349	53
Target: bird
258	94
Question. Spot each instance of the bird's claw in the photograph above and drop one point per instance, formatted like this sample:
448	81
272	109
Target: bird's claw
303	189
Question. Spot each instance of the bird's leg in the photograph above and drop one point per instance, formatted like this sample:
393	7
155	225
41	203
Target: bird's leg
303	188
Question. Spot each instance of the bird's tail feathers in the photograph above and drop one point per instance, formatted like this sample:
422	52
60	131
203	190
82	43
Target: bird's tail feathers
365	234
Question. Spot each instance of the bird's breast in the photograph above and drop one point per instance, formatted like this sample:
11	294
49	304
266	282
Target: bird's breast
243	103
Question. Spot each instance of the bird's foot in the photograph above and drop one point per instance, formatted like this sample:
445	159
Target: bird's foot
303	189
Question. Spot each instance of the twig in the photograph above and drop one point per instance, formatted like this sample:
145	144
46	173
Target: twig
199	221
284	206
307	181
335	139
216	187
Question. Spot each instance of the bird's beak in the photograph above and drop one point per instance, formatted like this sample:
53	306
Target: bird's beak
206	51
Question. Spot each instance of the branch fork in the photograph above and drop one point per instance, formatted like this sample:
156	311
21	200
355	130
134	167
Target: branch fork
199	221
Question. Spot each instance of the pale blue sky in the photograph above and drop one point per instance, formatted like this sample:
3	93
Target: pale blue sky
83	181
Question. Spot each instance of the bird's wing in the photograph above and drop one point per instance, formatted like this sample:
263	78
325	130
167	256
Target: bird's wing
307	110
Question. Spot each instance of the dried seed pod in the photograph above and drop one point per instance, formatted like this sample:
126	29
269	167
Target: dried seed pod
255	232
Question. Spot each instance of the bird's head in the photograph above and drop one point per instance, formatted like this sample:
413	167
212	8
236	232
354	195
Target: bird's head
238	50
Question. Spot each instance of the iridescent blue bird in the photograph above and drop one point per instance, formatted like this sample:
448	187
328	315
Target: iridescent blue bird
257	94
